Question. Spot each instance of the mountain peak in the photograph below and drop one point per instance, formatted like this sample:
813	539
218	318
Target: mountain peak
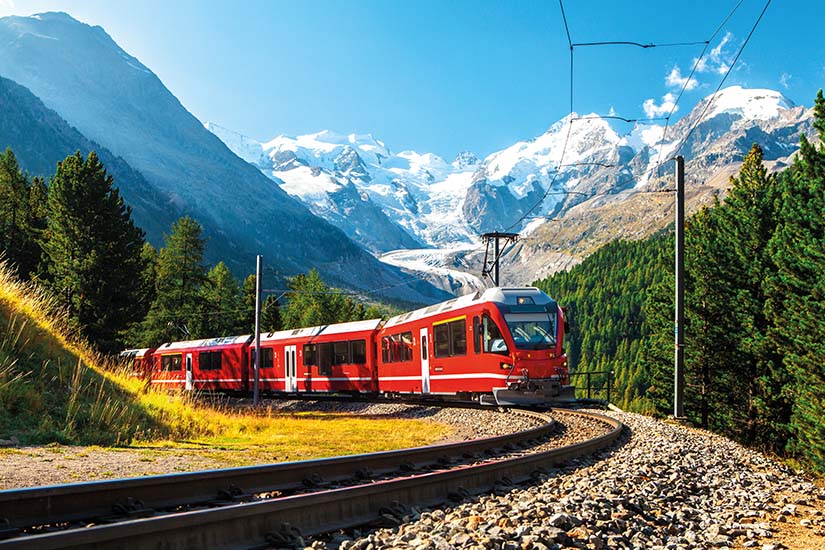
749	103
465	159
54	16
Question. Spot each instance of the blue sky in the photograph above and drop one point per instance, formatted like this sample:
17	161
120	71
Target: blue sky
445	76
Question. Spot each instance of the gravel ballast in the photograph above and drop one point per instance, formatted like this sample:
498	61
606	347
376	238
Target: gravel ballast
664	486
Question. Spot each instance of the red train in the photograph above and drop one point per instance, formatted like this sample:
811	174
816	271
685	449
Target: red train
500	346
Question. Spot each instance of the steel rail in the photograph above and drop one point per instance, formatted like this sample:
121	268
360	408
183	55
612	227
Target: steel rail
249	524
90	501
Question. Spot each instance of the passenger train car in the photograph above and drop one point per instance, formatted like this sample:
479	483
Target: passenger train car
501	346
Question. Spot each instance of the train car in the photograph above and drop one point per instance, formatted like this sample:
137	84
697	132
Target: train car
330	358
501	346
140	361
209	364
504	344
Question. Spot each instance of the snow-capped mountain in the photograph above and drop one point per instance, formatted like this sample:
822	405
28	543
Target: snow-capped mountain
383	200
388	201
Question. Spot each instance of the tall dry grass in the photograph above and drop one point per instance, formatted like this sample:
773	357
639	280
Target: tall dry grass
56	387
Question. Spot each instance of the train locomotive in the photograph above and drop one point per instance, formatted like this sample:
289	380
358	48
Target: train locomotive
502	346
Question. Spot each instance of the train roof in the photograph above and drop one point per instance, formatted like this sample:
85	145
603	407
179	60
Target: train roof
134	352
516	296
309	332
206	342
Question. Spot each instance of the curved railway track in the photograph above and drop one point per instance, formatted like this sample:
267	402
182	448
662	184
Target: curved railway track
245	507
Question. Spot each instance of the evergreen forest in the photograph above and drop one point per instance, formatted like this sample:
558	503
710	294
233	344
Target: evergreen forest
755	304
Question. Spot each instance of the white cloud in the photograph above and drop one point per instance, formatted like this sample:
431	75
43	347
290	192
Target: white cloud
676	80
785	80
718	60
611	112
716	53
652	110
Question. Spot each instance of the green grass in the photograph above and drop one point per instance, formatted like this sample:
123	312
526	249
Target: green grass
55	389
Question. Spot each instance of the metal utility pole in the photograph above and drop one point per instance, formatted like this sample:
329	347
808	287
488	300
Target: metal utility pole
256	395
495	237
679	374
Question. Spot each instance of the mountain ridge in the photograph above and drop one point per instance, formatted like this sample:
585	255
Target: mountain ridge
522	186
111	98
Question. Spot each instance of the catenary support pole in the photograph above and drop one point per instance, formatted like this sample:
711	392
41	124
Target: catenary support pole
679	329
497	259
256	394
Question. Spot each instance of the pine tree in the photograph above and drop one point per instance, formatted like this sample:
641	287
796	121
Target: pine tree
312	302
750	217
37	222
246	317
308	303
271	315
222	302
716	379
177	311
93	248
797	291
146	293
19	224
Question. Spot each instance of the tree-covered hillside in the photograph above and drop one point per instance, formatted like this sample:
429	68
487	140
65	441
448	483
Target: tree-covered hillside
755	301
605	296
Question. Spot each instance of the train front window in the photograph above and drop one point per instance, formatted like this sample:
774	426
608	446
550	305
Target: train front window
491	336
532	330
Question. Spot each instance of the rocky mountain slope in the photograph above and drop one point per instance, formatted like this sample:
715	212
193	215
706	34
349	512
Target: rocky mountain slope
575	187
40	139
113	99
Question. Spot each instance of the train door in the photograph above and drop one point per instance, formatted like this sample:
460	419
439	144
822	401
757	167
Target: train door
290	368
190	382
425	362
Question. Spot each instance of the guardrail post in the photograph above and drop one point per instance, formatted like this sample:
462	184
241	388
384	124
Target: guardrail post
609	384
588	385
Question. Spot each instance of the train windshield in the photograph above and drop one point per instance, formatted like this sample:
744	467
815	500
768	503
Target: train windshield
532	330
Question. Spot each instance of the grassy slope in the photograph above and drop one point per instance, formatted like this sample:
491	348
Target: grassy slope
55	390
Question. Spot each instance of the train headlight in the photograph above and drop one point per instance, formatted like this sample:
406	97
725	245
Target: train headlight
506	366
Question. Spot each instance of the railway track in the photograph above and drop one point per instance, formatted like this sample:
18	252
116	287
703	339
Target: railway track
244	507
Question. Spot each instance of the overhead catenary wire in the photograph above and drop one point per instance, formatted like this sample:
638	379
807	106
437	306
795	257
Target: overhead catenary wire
690	77
649	170
632	177
724	78
638	44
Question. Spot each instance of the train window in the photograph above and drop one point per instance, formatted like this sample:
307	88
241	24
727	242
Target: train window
476	335
424	349
325	359
340	353
492	337
359	351
441	339
405	346
397	348
385	349
209	360
450	338
310	358
458	337
267	358
171	362
532	331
